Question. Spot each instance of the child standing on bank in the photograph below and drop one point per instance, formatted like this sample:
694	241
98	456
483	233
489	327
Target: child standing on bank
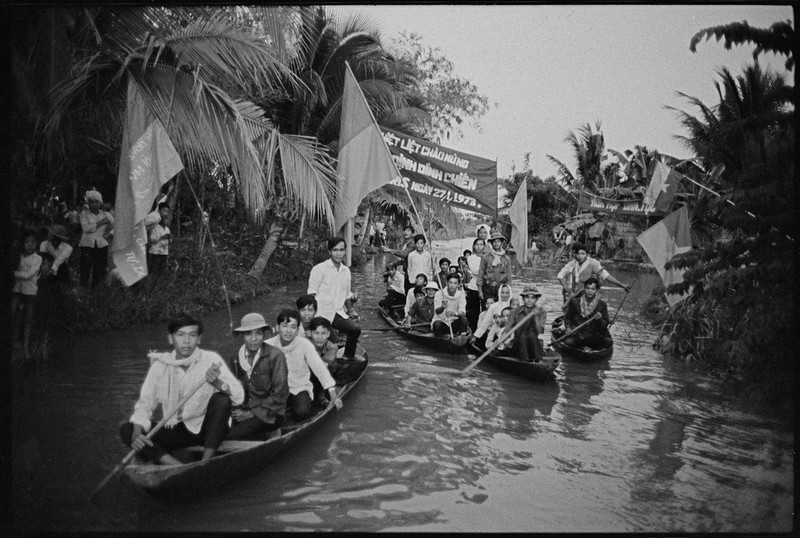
23	295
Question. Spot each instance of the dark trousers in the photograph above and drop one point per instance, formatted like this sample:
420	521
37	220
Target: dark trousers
527	345
157	263
165	440
392	299
93	265
460	324
299	405
352	330
474	308
592	340
252	428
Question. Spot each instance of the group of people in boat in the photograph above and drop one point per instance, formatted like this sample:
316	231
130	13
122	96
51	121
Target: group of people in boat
277	373
473	297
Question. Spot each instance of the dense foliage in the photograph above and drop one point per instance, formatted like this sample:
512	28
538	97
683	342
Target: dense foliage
740	314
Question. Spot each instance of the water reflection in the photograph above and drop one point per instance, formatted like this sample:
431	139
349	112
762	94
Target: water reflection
582	382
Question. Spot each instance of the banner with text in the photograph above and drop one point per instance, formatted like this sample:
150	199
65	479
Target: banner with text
592	202
449	176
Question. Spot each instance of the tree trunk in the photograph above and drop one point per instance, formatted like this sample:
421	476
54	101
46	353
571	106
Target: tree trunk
365	230
273	238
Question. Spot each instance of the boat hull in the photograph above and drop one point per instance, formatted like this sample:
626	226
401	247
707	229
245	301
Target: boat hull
584	354
532	371
234	461
455	346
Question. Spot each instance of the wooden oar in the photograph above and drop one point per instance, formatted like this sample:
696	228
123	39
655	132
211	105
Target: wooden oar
497	342
127	459
630	287
591	319
399	327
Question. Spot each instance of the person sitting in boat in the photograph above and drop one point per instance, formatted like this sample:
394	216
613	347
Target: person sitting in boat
406	246
495	268
479	336
302	359
444	272
419	259
527	345
423	310
581	268
307	306
450	308
342	371
203	419
262	370
499	329
329	283
420	282
482	316
395	289
581	309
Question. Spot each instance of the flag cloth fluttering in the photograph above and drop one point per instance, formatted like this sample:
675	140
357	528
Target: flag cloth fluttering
147	161
365	162
518	212
665	239
662	188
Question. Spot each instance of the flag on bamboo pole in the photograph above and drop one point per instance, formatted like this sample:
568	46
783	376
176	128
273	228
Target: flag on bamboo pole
518	212
668	237
662	188
365	163
147	161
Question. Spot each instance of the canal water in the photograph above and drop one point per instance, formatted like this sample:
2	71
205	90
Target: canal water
633	444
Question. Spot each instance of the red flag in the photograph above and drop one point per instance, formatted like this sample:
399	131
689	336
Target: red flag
662	188
665	239
518	212
365	162
148	160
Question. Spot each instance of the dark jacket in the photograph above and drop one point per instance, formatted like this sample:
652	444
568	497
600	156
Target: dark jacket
422	312
573	318
267	387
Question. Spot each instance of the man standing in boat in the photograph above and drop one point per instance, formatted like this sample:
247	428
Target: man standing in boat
495	269
405	249
329	283
583	308
203	419
420	260
577	271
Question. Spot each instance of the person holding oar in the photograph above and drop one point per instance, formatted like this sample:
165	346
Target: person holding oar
527	345
450	309
587	307
578	270
200	419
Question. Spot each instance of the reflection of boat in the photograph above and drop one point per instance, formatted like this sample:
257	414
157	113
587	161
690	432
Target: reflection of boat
446	344
534	371
585	353
234	460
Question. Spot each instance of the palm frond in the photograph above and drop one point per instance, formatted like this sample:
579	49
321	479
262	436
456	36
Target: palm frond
564	173
309	174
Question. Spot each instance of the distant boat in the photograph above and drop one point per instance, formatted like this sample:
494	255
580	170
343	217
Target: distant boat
585	354
446	344
234	460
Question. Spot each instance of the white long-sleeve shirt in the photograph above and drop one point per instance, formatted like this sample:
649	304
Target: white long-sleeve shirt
453	304
302	359
331	287
60	254
420	263
168	385
93	235
26	277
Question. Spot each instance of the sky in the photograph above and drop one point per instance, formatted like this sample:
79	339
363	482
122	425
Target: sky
549	70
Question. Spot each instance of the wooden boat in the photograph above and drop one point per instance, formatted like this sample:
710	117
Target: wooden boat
534	371
455	345
585	354
234	460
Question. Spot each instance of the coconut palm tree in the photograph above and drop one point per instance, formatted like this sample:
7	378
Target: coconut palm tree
589	148
195	67
779	38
